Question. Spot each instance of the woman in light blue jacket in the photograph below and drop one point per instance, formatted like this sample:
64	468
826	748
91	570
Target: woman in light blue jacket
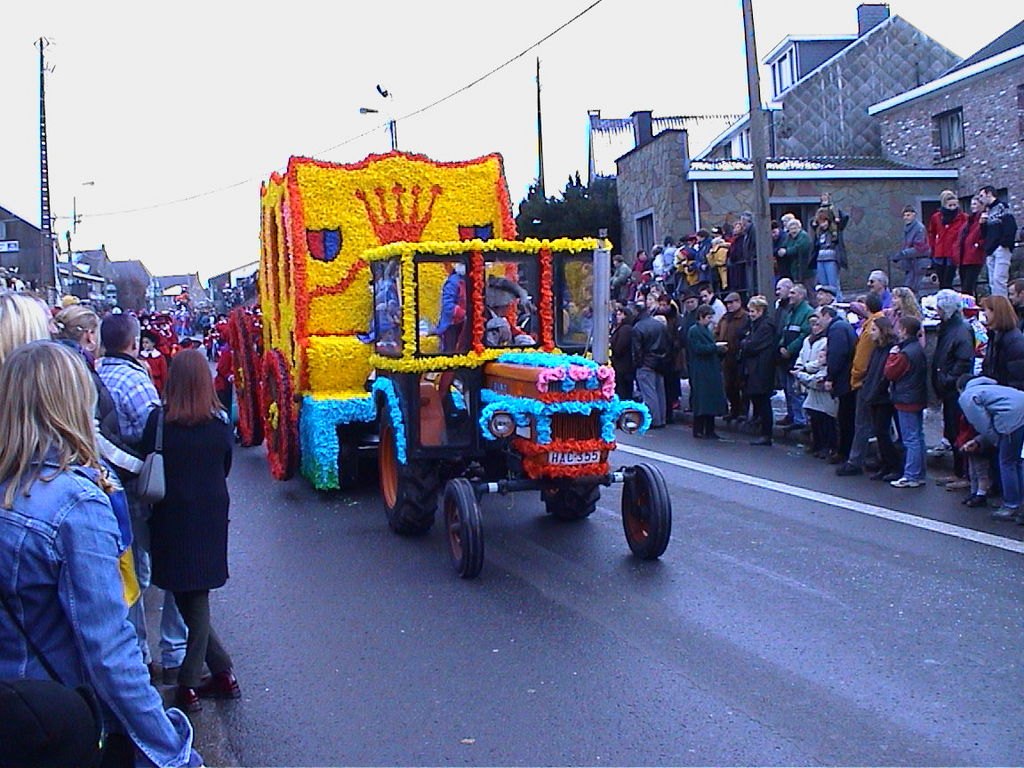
59	547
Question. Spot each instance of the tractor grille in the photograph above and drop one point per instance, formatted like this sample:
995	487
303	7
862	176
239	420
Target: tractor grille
571	426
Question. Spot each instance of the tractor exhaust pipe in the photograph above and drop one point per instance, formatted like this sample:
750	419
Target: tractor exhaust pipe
602	296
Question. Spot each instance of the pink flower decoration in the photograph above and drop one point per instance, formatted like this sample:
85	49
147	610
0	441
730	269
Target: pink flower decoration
548	375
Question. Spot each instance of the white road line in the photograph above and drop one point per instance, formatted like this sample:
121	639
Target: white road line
936	526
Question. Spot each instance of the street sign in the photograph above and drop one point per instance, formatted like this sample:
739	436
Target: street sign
9	246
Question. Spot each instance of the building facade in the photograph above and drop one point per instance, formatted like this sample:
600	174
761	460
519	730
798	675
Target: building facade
20	246
970	119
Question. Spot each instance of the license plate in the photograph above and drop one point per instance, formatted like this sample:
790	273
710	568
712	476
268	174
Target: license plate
571	457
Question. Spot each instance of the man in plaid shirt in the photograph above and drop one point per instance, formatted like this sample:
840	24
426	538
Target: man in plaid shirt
130	386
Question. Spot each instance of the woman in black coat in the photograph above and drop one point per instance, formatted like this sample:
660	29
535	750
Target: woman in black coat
189	527
1004	354
758	353
621	345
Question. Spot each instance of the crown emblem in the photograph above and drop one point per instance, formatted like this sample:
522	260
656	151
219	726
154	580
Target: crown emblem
398	227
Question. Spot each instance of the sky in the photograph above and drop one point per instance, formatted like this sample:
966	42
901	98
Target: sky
150	103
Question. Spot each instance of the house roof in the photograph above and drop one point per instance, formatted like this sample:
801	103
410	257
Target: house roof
130	269
8	213
814	168
612	137
1008	47
741	123
777	51
1011	38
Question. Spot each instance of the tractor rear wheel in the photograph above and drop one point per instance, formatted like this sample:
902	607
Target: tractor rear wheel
410	490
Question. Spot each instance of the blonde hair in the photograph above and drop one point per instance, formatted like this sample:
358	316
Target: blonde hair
47	401
757	301
22	319
946	195
74	321
908	301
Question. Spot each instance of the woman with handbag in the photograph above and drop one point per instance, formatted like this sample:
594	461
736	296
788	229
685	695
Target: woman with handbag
59	547
189	526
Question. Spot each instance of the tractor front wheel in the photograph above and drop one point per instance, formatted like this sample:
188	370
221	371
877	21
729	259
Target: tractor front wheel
464	528
646	512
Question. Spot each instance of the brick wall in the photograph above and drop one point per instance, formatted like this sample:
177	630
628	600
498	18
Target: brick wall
993	119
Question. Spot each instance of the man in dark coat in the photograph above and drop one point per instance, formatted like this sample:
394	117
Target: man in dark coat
839	359
621	348
793	325
758	352
650	355
954	356
999	229
730	328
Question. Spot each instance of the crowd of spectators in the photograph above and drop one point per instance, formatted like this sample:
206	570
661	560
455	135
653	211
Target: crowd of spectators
857	372
81	408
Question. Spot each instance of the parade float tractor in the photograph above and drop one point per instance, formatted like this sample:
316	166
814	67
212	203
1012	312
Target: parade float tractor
399	315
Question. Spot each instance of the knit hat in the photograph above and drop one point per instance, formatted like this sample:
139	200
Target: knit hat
827	289
733	296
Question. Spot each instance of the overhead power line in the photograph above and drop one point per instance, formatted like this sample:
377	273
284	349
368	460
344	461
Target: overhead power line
366	133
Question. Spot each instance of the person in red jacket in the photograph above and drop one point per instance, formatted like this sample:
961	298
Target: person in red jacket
154	360
971	248
223	380
944	229
907	370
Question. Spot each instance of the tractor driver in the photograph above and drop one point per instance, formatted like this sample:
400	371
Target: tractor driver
498	298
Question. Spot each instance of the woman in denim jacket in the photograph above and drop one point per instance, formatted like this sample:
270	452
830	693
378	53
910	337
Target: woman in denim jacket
59	545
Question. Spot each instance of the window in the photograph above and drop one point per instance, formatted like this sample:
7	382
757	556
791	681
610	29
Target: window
442	302
949	129
387	307
3	230
1020	110
574	323
512	287
645	233
784	72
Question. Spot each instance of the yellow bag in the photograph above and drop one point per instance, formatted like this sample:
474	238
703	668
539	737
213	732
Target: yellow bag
126	566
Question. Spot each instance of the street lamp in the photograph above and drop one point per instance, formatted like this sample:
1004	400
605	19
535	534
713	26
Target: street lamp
392	132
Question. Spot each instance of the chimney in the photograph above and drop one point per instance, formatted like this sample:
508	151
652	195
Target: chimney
870	15
641	128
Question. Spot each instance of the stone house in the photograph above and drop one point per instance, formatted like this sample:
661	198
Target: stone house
821	139
822	87
970	119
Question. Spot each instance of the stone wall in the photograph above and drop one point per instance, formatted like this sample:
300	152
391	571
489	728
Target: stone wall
993	118
650	177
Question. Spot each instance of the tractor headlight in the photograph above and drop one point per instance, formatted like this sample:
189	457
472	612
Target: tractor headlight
630	421
502	424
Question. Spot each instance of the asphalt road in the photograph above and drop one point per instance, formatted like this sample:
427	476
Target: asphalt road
780	628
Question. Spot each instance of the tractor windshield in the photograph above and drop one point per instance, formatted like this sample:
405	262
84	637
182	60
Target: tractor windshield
387	307
574	322
511	287
442	302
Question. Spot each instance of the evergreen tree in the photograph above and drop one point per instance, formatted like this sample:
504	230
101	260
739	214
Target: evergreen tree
580	211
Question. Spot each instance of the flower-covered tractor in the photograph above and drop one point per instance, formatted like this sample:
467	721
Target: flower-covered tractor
398	314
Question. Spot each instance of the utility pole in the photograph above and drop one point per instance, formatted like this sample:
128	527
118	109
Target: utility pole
540	142
765	275
47	271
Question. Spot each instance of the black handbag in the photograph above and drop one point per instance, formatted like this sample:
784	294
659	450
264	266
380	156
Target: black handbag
42	736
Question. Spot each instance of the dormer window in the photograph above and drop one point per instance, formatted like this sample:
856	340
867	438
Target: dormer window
784	71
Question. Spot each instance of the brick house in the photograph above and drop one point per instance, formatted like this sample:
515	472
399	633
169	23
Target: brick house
971	119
